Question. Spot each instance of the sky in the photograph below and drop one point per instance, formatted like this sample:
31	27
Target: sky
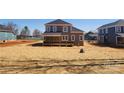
83	24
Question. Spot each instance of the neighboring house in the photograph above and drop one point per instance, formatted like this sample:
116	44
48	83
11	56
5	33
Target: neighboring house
37	34
112	33
59	32
6	34
91	36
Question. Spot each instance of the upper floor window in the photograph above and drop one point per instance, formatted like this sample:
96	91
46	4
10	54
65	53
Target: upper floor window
81	37
65	29
118	29
101	31
54	29
59	28
48	29
51	28
105	31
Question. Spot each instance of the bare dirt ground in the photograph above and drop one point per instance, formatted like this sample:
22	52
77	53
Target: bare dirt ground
15	42
24	58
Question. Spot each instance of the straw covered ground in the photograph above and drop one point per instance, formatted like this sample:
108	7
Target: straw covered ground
24	58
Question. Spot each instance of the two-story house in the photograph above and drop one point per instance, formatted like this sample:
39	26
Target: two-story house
112	33
59	32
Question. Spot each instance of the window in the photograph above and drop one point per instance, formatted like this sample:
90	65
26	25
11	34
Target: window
59	28
105	31
51	28
111	29
101	31
81	37
72	37
65	29
118	29
120	40
122	29
65	38
54	28
48	29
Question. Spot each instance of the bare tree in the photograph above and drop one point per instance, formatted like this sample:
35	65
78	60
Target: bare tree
36	33
12	27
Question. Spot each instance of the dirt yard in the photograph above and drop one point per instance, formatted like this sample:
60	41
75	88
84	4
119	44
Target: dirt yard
13	42
24	58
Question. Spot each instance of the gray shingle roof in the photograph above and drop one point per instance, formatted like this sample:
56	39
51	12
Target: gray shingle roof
58	21
118	22
76	29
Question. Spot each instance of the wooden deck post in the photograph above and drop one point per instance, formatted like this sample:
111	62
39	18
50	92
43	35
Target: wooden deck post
60	41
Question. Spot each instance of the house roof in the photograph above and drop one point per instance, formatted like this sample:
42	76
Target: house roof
4	28
118	22
76	30
7	31
58	21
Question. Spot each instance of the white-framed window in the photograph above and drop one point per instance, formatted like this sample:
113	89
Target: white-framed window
48	28
81	37
51	28
65	29
65	38
54	29
106	31
101	31
72	37
118	29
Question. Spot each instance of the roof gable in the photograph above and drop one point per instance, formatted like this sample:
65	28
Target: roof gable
76	29
118	22
58	21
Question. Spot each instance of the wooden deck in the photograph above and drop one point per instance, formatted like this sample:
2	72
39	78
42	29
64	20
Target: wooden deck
58	44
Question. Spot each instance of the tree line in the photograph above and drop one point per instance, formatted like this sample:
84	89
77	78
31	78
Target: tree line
25	31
